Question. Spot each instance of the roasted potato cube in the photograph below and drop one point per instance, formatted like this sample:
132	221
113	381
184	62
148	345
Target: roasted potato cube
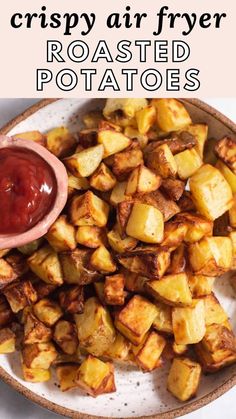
214	312
77	184
90	236
31	247
20	294
6	314
47	311
200	132
127	160
151	263
60	141
177	142
7	274
87	138
174	233
7	341
145	118
228	174
210	192
17	262
166	206
200	285
197	226
171	114
163	320
95	329
61	235
45	264
211	256
187	162
102	261
232	213
133	133
114	290
142	180
118	244
145	223
178	260
226	151
123	212
189	323
75	267
34	330
173	187
118	193
102	179
148	353
136	318
72	299
171	289
65	336
88	209
127	108
162	161
179	349
85	162
92	119
36	136
35	375
39	355
112	142
134	282
119	350
183	379
66	375
96	377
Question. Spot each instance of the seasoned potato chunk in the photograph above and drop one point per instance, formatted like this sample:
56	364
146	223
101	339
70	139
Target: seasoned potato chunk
210	192
77	184
90	236
127	160
112	141
148	353
96	377
214	311
72	299
85	162
174	233
200	285
145	223
7	341
61	235
142	180
47	311
134	282
34	330
145	118
171	289
189	323
200	132
39	355
102	261
35	375
163	319
102	179
36	136
187	162
75	267
119	350
125	107
166	206
95	329
20	294
88	209
118	193
171	114
197	226
45	264
133	133
162	161
212	256
174	188
7	274
228	175
183	379
60	141
65	336
66	375
135	319
178	260
226	151
114	289
119	244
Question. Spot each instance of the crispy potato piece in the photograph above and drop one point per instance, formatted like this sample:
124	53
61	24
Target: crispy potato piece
65	336
123	212
42	289
60	141
61	235
47	311
142	180
174	188
95	329
189	323
163	320
118	244
183	379
178	260
90	236
197	226
102	179
7	274
210	192
112	142
228	175
85	162
151	263
72	299
34	330
119	350
134	282
36	136
145	223
217	349
171	289
179	349
171	114
232	213
174	233
66	375
92	119
88	209
39	355
20	294
145	118
118	193
211	256
17	262
135	319
200	285
187	163
76	184
127	160
45	264
7	341
133	133
87	138
200	132
160	201
225	149
177	142
123	108
114	289
96	377
31	247
35	375
148	353
102	261
162	161
6	314
214	312
75	267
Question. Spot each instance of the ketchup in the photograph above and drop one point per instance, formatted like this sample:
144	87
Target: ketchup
27	189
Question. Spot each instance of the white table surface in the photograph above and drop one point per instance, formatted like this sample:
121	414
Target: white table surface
15	406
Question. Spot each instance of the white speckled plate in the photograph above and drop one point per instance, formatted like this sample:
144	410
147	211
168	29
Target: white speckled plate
138	394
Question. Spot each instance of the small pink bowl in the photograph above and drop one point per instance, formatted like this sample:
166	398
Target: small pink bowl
41	228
